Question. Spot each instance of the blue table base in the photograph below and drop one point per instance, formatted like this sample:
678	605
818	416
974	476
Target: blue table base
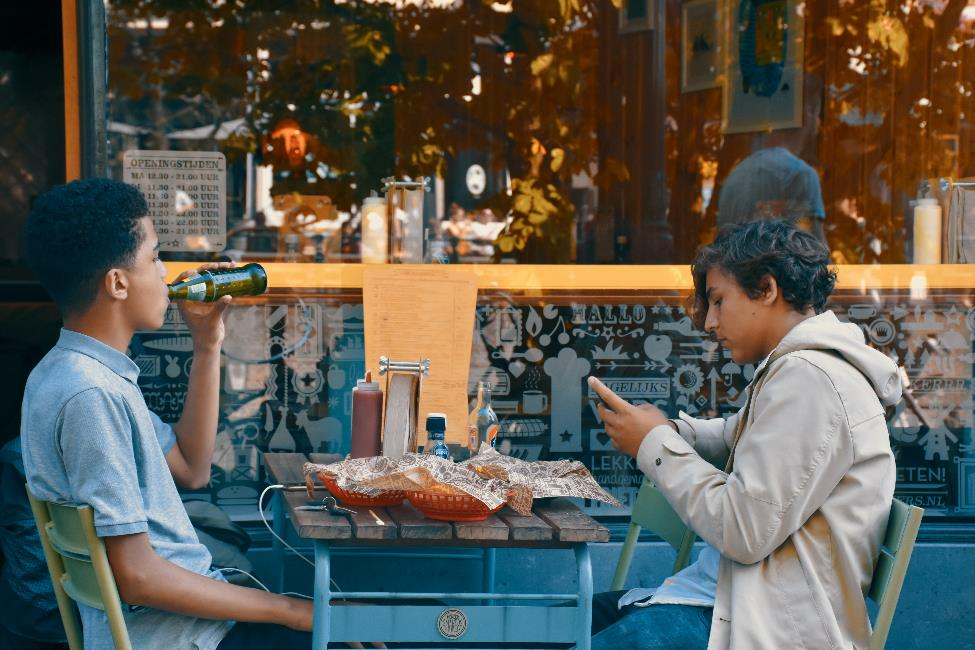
569	621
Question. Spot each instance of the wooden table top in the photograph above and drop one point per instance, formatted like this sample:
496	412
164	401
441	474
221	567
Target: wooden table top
554	523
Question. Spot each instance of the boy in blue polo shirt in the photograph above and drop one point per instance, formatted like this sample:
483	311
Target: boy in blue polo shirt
88	436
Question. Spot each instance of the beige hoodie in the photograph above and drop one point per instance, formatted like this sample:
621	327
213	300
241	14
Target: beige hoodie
800	518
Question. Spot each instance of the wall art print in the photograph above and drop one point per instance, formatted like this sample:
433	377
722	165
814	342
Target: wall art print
700	45
764	76
636	15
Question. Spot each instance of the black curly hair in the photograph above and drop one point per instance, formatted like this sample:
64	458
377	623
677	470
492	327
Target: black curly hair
77	232
749	252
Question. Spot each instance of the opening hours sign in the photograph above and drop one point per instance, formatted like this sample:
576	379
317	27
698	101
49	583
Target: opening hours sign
187	196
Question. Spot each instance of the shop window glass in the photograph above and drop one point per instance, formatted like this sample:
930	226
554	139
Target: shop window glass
31	160
567	133
32	113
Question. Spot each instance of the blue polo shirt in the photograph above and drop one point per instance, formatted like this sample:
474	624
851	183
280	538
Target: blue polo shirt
88	437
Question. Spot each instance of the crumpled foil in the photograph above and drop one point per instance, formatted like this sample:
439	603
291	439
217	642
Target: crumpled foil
490	477
546	478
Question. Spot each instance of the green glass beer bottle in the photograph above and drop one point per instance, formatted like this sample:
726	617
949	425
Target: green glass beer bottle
209	286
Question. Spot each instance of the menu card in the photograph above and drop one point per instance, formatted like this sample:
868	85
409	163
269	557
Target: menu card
414	313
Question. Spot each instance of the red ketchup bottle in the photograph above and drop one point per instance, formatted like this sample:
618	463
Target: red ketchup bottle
367	418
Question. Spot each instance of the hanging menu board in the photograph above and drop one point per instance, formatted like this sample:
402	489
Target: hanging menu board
187	196
433	322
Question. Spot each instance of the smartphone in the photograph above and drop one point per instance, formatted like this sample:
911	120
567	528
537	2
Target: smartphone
601	402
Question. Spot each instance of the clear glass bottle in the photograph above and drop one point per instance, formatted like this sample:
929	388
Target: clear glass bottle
482	423
374	242
434	248
472	420
291	243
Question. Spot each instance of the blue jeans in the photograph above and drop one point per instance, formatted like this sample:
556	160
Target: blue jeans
658	627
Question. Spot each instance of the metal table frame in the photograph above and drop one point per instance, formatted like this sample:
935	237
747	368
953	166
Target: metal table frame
484	616
568	622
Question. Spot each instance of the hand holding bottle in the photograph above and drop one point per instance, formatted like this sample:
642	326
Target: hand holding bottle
204	319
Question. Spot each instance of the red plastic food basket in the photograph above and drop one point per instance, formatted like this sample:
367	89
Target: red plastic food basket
350	498
450	507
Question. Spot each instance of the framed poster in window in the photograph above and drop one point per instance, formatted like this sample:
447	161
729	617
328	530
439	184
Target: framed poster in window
763	86
636	15
700	46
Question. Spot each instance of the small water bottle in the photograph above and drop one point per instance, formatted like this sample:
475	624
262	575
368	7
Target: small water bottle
291	243
436	430
434	249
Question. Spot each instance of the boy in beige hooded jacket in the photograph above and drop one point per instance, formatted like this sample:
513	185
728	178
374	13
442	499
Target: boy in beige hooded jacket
794	490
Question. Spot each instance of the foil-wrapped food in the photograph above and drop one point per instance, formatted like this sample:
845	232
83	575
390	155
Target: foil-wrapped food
490	477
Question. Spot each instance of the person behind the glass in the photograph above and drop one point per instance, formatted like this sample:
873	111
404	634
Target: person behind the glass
455	229
772	183
795	520
88	436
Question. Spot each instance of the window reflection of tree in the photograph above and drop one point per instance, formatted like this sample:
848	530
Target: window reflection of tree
385	88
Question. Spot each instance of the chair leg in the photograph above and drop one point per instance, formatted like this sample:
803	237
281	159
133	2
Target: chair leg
684	551
626	558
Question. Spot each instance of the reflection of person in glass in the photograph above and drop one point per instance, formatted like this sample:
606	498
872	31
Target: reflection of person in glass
289	141
483	231
792	492
455	229
773	184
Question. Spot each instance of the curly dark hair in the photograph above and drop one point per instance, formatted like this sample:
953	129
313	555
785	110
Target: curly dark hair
749	252
77	232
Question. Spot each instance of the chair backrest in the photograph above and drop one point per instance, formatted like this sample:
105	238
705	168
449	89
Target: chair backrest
888	576
79	568
651	511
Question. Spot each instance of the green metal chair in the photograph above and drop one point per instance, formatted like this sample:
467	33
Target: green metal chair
888	575
79	568
651	511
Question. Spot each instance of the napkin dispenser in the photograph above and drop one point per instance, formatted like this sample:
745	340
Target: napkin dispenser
404	381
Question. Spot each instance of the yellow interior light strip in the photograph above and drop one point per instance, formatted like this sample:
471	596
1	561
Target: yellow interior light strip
607	278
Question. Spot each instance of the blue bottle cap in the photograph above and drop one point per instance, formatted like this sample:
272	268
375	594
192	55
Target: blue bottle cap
436	423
